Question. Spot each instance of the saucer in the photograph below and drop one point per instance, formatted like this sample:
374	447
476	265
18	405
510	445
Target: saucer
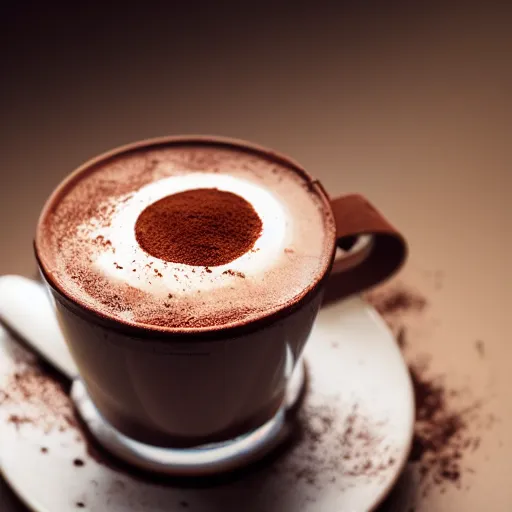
200	461
353	435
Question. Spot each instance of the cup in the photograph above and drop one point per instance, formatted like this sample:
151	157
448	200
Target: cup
181	388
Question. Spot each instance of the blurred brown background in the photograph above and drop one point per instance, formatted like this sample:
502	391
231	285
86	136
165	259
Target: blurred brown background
408	104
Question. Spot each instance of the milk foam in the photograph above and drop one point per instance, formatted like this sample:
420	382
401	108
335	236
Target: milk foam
125	261
86	237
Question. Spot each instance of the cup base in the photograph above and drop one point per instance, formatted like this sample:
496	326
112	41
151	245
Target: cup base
198	461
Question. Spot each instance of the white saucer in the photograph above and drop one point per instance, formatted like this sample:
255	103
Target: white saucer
358	421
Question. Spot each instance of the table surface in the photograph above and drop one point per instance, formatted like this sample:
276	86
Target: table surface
409	107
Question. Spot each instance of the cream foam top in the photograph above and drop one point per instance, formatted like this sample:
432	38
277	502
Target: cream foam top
86	239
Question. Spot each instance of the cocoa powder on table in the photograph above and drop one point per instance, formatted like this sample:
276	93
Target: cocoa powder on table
400	300
442	434
445	430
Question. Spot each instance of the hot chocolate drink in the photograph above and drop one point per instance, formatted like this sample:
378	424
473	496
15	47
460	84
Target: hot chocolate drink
186	275
187	235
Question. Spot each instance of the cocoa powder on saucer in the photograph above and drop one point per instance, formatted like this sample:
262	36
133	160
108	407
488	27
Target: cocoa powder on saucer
357	448
330	447
44	394
325	447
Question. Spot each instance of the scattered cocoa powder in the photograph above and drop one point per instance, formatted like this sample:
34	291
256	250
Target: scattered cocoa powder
444	431
480	348
330	447
100	240
441	433
401	339
396	301
17	420
234	273
44	393
201	227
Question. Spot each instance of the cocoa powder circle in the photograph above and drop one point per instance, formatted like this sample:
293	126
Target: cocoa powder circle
202	227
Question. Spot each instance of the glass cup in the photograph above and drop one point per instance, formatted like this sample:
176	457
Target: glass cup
186	388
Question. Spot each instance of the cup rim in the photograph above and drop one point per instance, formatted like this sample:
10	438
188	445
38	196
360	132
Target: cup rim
234	328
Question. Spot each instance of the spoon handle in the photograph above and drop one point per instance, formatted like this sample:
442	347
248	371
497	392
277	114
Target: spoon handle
26	309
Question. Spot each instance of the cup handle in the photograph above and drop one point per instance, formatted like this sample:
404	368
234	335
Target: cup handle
382	255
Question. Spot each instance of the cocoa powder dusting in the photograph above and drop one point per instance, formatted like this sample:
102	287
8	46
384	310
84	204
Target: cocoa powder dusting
76	234
201	227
